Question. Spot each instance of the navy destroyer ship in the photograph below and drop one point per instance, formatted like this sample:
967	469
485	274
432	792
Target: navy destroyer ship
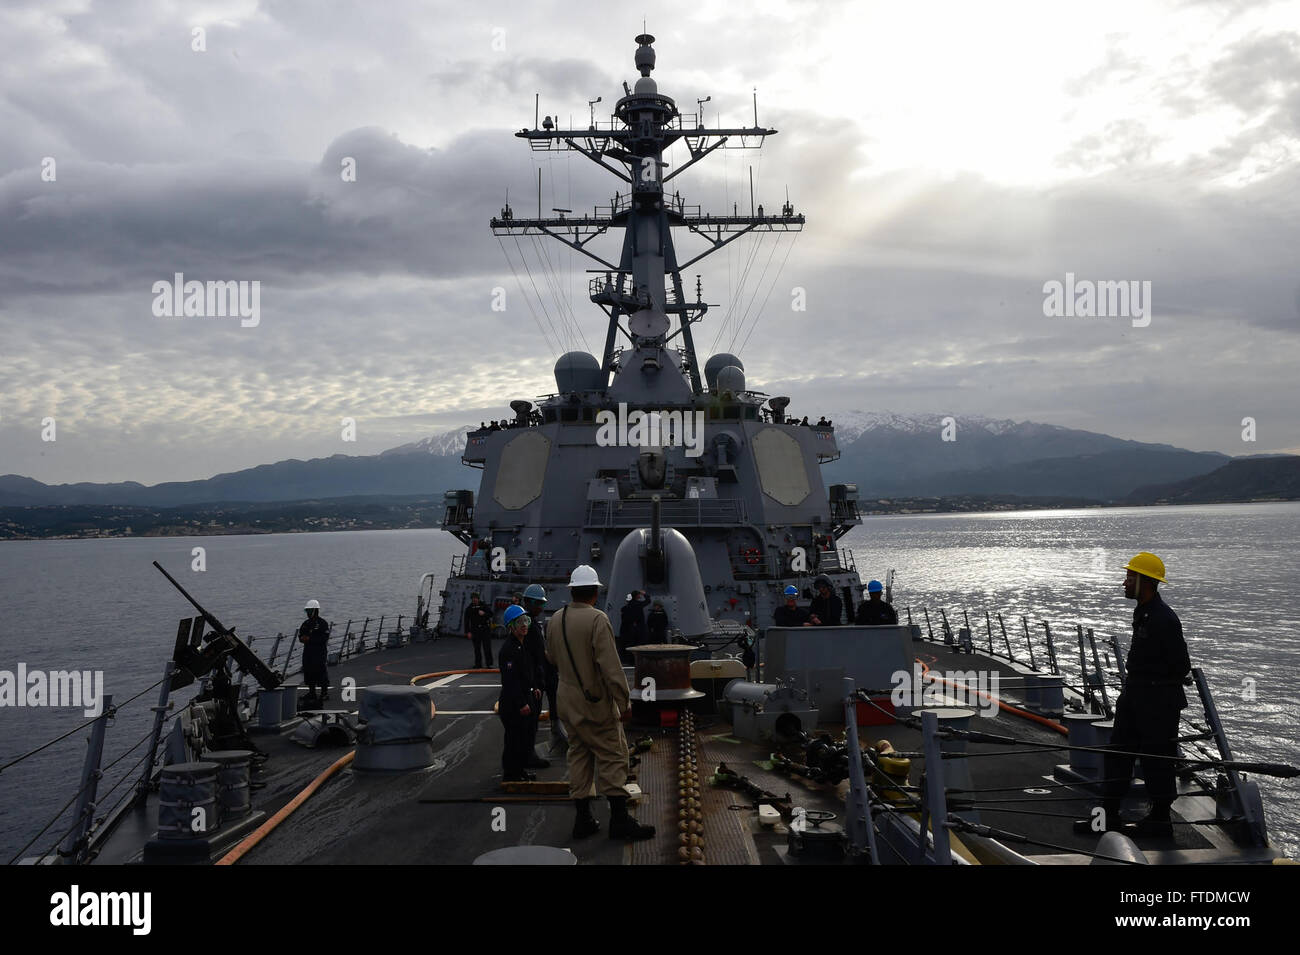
755	743
648	433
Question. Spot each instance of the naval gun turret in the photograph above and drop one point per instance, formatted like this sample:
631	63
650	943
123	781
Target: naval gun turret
664	472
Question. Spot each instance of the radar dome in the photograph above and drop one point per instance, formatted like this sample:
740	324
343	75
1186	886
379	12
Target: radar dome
731	379
716	364
577	371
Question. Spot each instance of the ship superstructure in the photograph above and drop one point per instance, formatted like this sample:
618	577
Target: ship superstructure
645	429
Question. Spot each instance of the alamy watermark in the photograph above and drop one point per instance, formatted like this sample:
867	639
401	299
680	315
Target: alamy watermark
58	688
78	907
651	429
1084	298
181	299
976	689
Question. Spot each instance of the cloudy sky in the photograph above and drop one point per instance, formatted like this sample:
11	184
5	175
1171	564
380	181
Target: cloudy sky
951	160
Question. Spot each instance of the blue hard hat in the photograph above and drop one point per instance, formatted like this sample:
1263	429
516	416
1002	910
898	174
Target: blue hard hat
874	587
792	591
535	592
513	613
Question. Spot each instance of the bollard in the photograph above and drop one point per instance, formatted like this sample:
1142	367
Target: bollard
1034	690
1083	732
956	772
1051	694
233	798
187	800
289	701
270	708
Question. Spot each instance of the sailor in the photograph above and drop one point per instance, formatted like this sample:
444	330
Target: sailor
545	676
875	611
314	634
478	627
631	630
520	696
790	614
593	697
656	623
826	608
1147	711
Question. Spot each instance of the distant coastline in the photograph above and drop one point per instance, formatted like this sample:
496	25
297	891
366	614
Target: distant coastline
93	522
96	521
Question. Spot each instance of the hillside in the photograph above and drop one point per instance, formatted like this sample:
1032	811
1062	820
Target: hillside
1248	479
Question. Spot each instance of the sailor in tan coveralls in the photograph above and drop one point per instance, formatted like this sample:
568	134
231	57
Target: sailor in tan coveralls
593	697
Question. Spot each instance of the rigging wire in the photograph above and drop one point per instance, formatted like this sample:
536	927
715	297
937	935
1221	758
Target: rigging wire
563	305
755	185
540	301
58	815
129	774
737	312
116	707
76	822
527	301
548	283
780	269
568	202
563	302
758	287
549	272
741	284
94	779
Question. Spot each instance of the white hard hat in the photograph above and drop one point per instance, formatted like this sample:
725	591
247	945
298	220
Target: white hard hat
629	596
584	576
312	605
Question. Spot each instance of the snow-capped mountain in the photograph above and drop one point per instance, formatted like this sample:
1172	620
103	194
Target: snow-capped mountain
445	444
852	424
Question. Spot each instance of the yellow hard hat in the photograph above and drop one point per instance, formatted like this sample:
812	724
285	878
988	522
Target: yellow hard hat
1148	565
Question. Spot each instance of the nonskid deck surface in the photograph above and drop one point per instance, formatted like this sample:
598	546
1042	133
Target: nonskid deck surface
456	811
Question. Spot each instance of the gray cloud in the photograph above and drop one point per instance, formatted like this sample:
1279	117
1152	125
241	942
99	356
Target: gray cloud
1258	73
924	290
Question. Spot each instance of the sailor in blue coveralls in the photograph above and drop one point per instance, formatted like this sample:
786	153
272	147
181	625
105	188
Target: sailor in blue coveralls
547	676
520	696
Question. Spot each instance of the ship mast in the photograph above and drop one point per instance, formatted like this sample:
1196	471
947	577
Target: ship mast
642	291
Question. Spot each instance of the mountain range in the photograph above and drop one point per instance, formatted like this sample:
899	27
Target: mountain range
885	454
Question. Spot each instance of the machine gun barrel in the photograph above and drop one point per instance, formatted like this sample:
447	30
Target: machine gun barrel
195	664
211	621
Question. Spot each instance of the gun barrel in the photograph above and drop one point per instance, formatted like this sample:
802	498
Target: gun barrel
654	523
231	645
212	621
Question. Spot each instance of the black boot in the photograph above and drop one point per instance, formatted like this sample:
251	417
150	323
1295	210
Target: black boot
1158	824
585	824
622	825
